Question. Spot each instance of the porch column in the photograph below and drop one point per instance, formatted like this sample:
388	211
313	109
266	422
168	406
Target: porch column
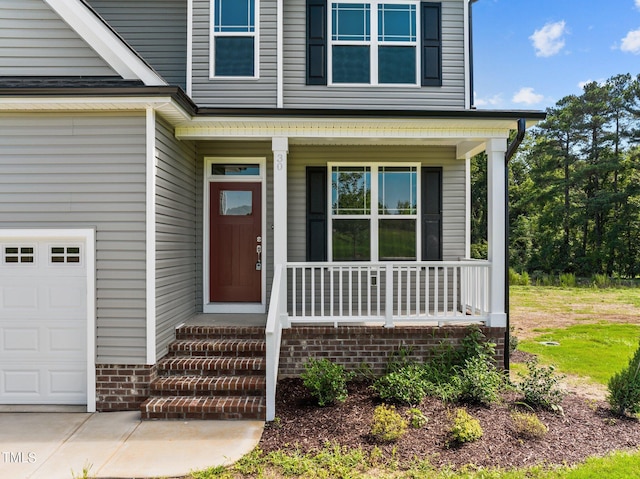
280	147
496	229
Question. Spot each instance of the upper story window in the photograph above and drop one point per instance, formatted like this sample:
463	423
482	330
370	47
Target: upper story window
234	38
374	43
377	42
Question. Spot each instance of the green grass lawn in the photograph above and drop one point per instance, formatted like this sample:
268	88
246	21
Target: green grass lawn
594	351
338	463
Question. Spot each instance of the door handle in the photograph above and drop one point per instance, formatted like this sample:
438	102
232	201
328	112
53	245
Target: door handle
259	262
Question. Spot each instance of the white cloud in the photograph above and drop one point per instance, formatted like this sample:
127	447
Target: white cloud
495	100
631	43
527	96
638	3
549	40
582	84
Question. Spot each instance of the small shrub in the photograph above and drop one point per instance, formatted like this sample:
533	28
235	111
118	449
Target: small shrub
400	359
417	419
475	344
528	426
326	381
624	388
601	281
465	428
540	387
568	280
513	341
479	381
406	385
387	425
519	279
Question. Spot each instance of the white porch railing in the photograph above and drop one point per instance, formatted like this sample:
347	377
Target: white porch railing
443	291
273	336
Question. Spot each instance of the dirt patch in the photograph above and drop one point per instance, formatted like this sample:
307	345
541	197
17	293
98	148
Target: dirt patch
526	322
587	428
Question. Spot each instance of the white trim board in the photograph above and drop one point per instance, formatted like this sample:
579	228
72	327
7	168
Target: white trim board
105	42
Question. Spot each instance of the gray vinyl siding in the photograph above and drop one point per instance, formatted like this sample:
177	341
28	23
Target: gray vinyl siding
236	93
449	96
84	171
245	149
35	41
453	187
176	247
156	29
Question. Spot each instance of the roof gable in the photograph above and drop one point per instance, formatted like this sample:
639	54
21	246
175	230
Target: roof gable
108	44
35	41
64	38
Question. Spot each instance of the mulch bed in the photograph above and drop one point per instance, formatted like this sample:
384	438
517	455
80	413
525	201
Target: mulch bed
587	428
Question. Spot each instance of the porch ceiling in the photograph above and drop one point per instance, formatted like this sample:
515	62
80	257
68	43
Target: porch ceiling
468	136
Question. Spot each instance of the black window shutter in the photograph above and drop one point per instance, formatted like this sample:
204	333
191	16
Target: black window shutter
431	214
316	213
431	43
316	42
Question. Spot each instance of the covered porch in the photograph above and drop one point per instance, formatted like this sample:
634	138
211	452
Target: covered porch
305	290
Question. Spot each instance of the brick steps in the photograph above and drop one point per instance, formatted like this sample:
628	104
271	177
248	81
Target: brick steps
210	373
200	407
222	347
199	385
211	366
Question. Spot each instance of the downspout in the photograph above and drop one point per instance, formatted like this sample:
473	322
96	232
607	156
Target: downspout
511	149
471	92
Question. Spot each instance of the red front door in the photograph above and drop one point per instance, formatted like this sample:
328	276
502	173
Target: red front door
235	232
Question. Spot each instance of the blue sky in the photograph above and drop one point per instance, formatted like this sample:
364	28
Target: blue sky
528	54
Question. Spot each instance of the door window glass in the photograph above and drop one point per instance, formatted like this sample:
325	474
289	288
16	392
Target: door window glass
236	203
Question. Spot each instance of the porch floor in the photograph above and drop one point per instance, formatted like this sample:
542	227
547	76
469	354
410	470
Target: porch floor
227	319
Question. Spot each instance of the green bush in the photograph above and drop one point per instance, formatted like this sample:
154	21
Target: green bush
513	340
540	387
406	385
624	388
465	428
518	279
479	381
568	280
475	344
528	426
326	381
601	281
387	424
417	419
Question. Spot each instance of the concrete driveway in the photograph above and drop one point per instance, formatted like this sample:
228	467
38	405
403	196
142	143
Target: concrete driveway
117	445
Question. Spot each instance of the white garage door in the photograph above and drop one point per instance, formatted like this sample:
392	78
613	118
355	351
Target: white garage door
43	321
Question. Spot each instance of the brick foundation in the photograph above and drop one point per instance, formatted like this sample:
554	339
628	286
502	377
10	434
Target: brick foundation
122	387
126	387
351	346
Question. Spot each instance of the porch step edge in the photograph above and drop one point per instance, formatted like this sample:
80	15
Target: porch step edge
191	366
220	347
245	385
176	407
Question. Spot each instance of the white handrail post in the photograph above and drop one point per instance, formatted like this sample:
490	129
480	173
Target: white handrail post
273	336
388	302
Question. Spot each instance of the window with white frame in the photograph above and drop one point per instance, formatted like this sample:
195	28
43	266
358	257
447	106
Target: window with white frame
374	42
234	38
363	229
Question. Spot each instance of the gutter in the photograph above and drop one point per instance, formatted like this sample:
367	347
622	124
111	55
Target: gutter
511	149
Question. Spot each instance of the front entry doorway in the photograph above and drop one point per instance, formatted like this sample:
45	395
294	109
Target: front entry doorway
235	242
